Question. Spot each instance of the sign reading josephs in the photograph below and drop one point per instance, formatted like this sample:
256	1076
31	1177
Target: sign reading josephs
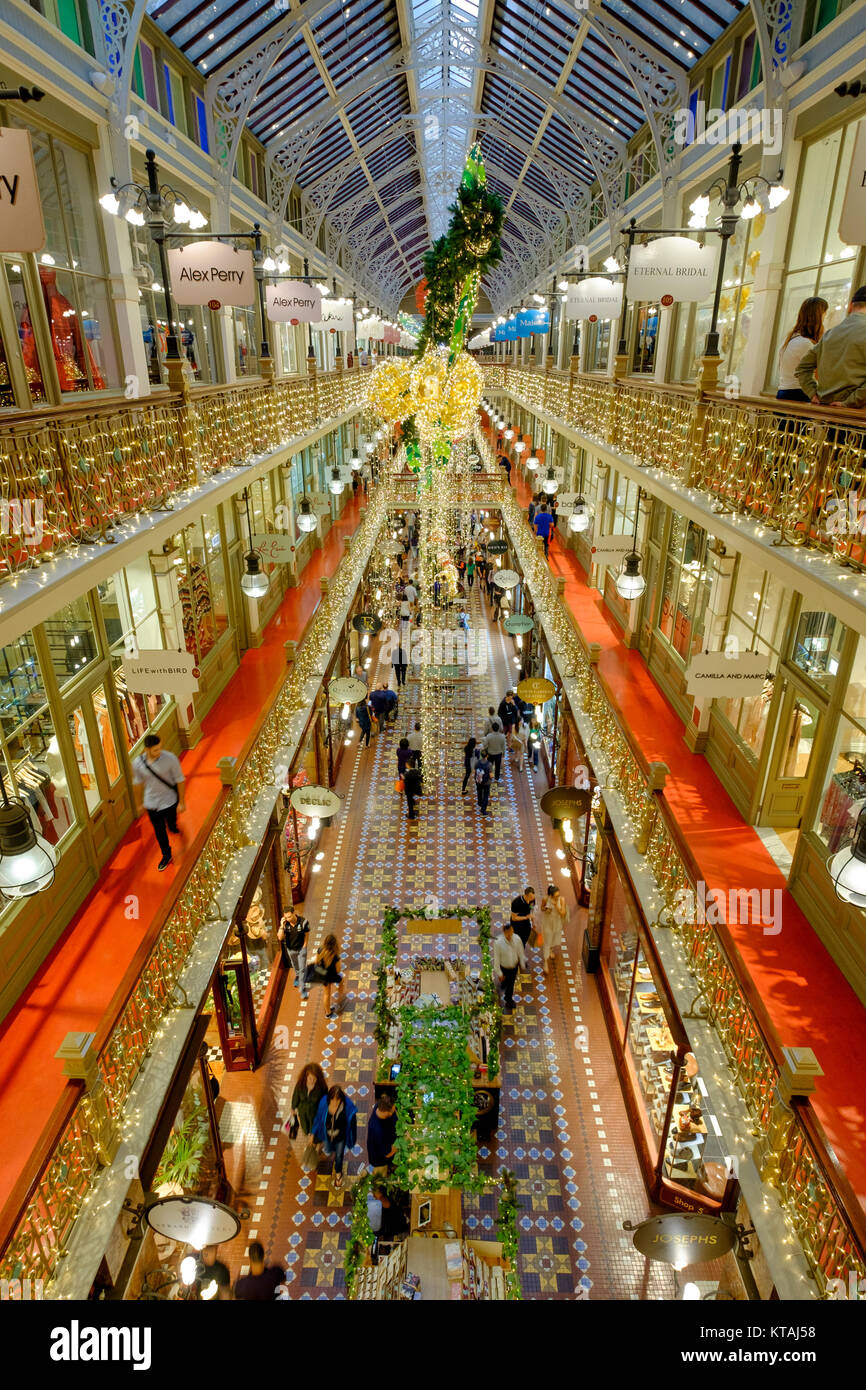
21	225
211	270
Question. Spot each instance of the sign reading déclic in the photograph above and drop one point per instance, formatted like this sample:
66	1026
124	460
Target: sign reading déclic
211	270
291	301
21	225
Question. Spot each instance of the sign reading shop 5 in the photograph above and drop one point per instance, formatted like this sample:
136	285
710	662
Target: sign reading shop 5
21	225
291	301
208	270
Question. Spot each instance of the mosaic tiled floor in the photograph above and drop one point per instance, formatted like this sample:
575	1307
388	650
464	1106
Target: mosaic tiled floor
563	1127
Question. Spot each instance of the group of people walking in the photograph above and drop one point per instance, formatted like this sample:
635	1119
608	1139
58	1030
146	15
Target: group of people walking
512	726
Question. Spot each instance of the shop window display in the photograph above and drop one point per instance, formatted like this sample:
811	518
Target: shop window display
685	588
759	615
844	794
38	775
817	647
127	602
13	271
72	641
195	328
201	586
735	305
244	322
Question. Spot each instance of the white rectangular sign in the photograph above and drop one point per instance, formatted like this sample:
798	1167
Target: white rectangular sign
213	273
596	298
718	675
852	222
335	314
162	673
672	267
609	550
291	301
276	548
21	225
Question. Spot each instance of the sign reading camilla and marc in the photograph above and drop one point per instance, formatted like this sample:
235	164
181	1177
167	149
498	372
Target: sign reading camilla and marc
211	270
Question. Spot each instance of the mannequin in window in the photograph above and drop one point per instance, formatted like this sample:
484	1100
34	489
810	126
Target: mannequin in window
67	339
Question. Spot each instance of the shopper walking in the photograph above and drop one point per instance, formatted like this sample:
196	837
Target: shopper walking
508	713
505	462
412	787
382	1135
292	934
553	916
494	744
807	331
521	913
542	525
384	704
405	757
508	958
833	372
400	659
490	720
483	773
160	775
468	762
261	1284
325	970
309	1089
335	1128
416	742
360	673
517	744
470	571
362	714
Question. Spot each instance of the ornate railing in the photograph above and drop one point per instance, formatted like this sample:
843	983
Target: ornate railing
823	1209
799	471
37	1232
70	475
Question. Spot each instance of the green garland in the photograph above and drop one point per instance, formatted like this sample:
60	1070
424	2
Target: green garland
361	1236
506	1222
435	1083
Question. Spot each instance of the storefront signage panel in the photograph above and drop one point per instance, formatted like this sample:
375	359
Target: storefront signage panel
505	332
519	623
497	547
535	690
366	622
684	1240
291	301
211	270
194	1221
609	550
315	801
596	298
532	321
335	315
21	225
726	676
506	579
162	673
345	690
673	265
274	549
852	222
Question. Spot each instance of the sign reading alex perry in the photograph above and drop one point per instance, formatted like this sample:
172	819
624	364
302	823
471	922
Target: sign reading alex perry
207	270
21	225
291	301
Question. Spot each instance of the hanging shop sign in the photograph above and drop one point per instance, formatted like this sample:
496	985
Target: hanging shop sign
532	321
687	1239
497	547
291	301
206	271
162	673
21	225
565	803
594	299
367	622
518	624
609	550
852	222
391	335
193	1221
506	579
535	690
315	801
505	332
345	690
726	675
672	265
371	328
336	315
275	548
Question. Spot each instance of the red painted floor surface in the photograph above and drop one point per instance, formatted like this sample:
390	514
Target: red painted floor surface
75	984
805	993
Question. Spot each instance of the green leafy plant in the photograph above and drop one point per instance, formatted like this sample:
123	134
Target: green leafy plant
186	1147
362	1236
506	1223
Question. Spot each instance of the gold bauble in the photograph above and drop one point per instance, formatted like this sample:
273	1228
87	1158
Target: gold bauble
462	396
428	378
388	389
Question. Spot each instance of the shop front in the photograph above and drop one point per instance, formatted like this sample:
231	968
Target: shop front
580	850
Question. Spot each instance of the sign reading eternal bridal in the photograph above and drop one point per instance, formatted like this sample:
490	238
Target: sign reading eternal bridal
162	673
209	270
672	265
291	301
21	225
595	298
718	675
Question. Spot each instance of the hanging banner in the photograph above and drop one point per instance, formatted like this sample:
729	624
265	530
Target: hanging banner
505	332
609	550
291	301
852	222
161	673
370	328
335	314
21	225
530	321
391	335
672	265
208	272
274	547
726	675
595	299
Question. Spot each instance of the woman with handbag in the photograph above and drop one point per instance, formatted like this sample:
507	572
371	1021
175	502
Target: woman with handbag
336	1128
325	971
554	915
310	1087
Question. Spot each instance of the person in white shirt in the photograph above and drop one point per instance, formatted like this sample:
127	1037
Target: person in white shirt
508	957
415	742
160	774
554	915
807	331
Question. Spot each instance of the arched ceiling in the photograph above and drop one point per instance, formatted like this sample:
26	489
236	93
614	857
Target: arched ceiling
370	107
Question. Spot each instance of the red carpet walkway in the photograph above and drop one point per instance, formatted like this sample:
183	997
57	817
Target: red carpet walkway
805	993
76	982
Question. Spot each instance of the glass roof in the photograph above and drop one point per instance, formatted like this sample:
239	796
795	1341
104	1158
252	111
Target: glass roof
538	81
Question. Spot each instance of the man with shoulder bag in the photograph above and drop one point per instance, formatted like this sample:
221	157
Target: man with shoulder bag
160	774
292	935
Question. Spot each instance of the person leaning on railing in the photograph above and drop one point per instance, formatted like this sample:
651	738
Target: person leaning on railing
833	372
